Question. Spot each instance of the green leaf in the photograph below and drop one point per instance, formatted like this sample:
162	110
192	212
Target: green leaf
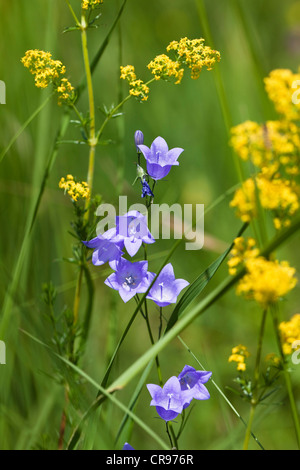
199	284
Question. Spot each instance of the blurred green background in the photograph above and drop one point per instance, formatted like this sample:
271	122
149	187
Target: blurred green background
253	38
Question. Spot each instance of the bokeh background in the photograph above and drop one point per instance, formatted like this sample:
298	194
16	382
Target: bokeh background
253	38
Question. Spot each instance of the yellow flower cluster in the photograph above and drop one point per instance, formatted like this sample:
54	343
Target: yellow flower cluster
274	149
280	89
242	251
239	354
137	87
164	68
86	4
266	281
46	71
191	53
281	196
194	54
74	189
289	333
275	142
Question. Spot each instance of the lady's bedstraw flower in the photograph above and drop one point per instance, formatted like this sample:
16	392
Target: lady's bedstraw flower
129	278
194	54
190	53
137	87
162	67
107	248
289	333
266	281
47	71
86	4
74	189
166	288
132	228
241	251
239	355
278	195
159	158
279	86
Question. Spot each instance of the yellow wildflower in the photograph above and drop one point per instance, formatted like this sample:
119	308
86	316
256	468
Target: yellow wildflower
289	333
266	281
275	194
275	142
162	67
137	87
194	54
279	86
74	189
86	4
239	354
46	71
242	250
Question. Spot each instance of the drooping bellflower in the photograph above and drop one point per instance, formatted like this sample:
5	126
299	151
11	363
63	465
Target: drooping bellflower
132	228
167	400
166	288
191	383
107	248
159	158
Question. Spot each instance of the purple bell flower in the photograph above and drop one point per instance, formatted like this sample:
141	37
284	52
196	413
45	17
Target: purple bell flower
166	288
132	228
107	248
159	158
167	400
191	383
127	446
129	278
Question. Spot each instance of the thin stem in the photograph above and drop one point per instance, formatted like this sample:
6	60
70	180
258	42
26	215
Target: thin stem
287	377
168	433
73	14
92	139
254	401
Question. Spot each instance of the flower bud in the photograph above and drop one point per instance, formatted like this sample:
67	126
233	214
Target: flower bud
140	172
138	139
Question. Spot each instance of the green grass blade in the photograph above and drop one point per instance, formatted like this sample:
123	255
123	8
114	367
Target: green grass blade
107	394
199	284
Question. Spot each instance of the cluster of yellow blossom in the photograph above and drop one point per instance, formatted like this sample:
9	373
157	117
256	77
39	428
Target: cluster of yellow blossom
74	189
266	281
46	71
289	333
242	251
165	68
279	195
274	149
137	87
191	53
239	354
86	4
194	54
280	88
275	142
